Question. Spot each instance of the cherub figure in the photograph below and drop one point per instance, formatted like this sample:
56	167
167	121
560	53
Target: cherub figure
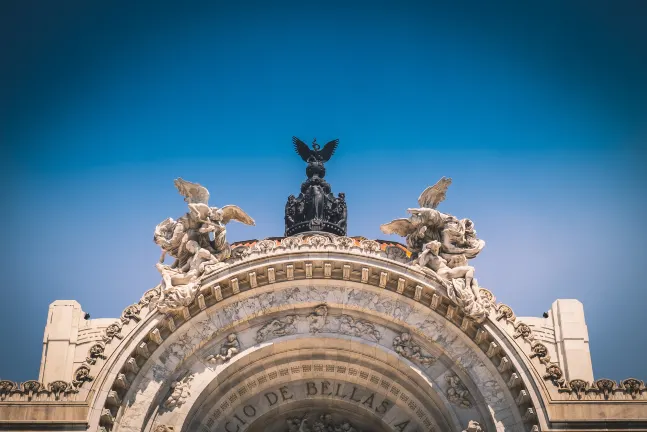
198	224
230	348
180	392
426	224
318	318
430	258
456	392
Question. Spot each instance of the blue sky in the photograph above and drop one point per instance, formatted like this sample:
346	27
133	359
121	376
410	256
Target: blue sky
536	110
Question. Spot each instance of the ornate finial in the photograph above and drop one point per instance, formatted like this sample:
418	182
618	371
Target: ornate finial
316	208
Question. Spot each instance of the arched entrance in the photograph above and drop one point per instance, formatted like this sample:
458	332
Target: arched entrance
325	379
367	357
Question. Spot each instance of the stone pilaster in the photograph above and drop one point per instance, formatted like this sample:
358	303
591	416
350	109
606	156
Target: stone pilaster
59	341
572	339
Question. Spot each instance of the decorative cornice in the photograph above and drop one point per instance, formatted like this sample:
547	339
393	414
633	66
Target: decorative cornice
293	254
35	391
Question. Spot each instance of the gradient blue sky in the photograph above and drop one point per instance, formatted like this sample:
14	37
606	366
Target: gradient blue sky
537	110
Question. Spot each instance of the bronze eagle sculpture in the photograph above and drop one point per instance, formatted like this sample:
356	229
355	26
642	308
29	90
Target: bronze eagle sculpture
316	154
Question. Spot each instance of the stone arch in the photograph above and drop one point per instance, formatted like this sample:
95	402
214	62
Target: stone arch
403	314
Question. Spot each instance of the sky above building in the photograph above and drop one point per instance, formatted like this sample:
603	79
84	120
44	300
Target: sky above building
537	110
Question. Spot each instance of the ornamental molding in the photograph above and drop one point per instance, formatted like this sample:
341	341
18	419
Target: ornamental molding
318	320
392	275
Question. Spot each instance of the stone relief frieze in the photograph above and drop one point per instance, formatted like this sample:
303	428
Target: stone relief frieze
449	339
604	388
180	392
318	319
404	346
277	328
324	423
229	348
456	392
35	390
358	328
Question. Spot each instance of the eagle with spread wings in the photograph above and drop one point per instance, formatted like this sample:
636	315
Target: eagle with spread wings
316	153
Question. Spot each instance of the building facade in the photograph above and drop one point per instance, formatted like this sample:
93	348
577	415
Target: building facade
319	331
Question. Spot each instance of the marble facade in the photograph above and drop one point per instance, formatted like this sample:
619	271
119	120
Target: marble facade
319	332
318	326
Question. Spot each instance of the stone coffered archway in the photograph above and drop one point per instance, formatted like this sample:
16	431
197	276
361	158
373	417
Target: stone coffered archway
387	314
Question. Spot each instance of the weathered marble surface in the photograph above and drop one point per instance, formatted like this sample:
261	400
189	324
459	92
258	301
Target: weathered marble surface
320	308
198	243
444	244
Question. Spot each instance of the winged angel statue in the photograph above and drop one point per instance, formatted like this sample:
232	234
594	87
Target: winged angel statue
196	240
443	244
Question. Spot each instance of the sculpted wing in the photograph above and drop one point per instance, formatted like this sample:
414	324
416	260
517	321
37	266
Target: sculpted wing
434	195
192	192
402	227
199	211
233	212
301	148
328	150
